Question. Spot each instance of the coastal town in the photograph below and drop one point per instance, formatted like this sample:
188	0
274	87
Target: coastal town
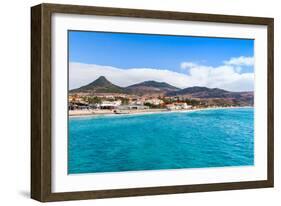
123	104
101	97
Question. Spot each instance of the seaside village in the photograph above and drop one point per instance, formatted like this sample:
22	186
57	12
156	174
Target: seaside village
121	104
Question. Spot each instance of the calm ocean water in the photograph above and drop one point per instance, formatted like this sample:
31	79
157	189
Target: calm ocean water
197	139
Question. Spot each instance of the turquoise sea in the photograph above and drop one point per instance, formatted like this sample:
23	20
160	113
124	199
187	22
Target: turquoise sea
174	140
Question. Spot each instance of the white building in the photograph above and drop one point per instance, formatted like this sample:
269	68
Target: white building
132	107
170	106
109	104
183	105
178	106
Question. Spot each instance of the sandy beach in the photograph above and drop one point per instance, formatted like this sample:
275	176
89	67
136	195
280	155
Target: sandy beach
97	112
111	112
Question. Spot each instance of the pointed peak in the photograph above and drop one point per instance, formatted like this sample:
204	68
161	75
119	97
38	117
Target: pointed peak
101	78
101	85
101	81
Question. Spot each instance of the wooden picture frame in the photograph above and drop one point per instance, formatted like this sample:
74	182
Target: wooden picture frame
41	116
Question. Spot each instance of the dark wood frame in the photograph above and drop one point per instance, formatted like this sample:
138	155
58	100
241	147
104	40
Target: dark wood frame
41	101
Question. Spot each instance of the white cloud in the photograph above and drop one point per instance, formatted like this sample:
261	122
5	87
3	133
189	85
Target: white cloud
240	61
187	65
224	77
238	69
81	74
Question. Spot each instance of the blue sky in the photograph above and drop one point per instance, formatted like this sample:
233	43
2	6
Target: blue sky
154	51
198	58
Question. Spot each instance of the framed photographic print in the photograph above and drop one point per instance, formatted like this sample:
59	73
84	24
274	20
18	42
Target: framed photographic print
132	102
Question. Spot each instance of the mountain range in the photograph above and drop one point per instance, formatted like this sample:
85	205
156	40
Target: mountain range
102	85
151	87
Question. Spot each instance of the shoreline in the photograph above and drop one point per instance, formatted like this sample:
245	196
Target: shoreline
88	113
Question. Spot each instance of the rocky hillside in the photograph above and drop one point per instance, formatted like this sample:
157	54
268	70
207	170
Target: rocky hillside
100	85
